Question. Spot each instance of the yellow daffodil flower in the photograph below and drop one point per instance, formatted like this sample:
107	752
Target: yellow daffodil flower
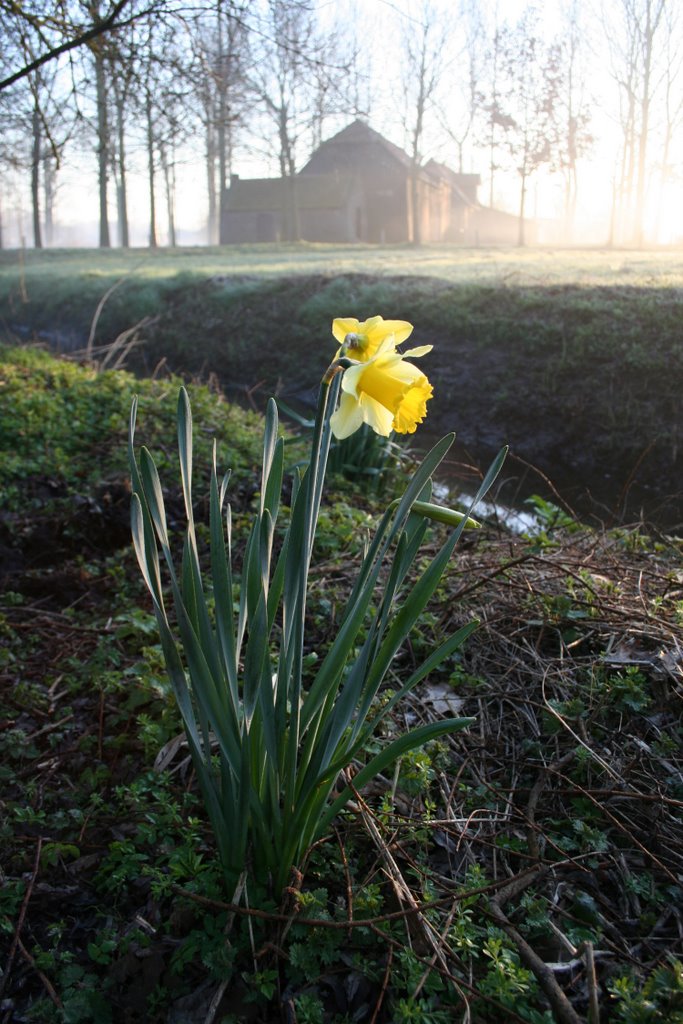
386	392
367	337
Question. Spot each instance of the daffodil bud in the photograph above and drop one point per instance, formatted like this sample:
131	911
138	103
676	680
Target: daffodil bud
440	514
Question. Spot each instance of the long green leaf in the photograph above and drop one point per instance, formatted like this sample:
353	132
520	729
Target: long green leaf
221	576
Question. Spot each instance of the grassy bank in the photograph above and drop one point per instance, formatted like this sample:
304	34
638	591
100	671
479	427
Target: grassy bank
572	358
453	264
484	865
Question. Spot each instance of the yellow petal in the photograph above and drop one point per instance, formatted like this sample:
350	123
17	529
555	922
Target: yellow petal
380	388
372	334
372	324
343	326
415	353
376	415
399	329
351	377
347	418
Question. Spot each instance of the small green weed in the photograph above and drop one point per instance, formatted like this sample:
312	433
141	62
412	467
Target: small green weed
658	1001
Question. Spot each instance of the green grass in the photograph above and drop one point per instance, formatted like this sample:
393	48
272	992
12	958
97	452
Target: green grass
61	424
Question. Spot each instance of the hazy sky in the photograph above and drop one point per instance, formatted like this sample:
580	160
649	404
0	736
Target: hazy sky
377	25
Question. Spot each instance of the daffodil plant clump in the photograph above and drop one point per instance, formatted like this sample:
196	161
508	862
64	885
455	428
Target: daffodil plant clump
272	740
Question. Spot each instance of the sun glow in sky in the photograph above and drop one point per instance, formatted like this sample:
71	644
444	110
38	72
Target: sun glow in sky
378	27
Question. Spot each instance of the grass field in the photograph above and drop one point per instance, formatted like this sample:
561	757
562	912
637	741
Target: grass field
662	268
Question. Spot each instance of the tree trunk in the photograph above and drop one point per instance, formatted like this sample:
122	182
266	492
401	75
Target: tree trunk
102	144
212	226
625	186
35	178
613	214
294	233
169	184
521	239
639	228
150	173
648	41
416	234
663	178
221	135
222	129
292	230
417	139
494	113
49	174
222	171
122	196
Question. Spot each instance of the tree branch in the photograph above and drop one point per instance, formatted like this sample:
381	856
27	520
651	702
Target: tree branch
106	25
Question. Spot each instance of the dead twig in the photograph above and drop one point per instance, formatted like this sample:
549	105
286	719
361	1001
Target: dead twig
562	1009
22	916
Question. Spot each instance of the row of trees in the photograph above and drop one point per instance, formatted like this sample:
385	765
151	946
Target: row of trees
145	79
154	78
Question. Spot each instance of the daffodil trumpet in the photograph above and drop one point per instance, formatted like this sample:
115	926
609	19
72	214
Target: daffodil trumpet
386	391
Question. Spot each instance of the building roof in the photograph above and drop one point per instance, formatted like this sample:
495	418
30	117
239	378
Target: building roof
314	192
318	190
460	183
360	133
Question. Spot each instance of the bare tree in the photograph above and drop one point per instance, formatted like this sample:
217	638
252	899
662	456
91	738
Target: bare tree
496	119
571	115
424	44
280	83
296	85
35	111
531	87
672	101
123	66
458	112
164	94
49	30
222	47
97	48
639	38
59	29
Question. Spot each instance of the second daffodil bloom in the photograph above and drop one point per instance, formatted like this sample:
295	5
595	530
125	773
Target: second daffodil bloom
386	392
363	340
